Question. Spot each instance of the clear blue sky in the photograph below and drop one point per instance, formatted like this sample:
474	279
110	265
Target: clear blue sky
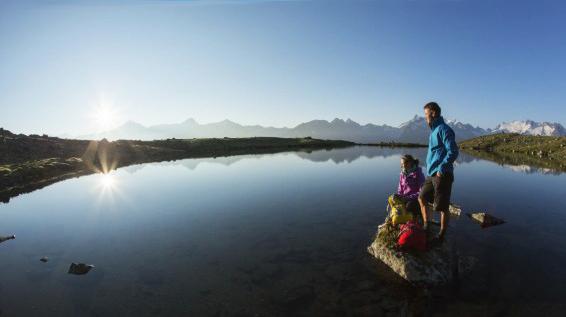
279	63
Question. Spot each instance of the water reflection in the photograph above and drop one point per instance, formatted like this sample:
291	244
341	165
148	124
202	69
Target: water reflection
336	156
523	163
107	188
352	154
107	181
272	235
532	169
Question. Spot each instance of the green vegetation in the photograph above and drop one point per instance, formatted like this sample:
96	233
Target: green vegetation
231	146
388	234
516	149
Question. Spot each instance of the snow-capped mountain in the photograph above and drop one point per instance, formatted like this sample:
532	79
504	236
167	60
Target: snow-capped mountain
531	128
415	130
348	130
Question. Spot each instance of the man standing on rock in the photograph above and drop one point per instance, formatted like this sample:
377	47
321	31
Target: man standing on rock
442	152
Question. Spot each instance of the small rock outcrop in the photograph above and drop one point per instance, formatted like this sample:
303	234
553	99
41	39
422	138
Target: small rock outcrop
80	268
6	238
486	220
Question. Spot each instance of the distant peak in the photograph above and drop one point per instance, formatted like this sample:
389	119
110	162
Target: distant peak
336	120
190	121
229	122
132	123
415	120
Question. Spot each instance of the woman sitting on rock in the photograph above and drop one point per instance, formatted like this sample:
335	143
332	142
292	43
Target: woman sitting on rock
410	182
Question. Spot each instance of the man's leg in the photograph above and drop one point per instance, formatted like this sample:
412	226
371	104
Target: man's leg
425	196
444	219
442	193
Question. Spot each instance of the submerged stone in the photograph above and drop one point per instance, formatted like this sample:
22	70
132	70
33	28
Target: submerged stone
80	268
6	238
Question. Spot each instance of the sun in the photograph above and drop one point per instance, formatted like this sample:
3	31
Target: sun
105	117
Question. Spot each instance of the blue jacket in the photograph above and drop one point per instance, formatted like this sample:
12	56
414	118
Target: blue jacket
442	148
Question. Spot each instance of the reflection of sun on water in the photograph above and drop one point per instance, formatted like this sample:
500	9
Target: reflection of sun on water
108	190
107	181
107	187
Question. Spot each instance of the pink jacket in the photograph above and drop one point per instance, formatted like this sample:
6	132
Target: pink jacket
410	185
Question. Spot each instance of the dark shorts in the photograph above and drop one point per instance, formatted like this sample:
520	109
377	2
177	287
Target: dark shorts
437	190
412	206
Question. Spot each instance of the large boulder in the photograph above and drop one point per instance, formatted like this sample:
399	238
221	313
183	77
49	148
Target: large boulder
438	265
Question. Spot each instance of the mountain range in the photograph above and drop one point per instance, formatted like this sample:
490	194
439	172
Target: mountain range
530	127
413	131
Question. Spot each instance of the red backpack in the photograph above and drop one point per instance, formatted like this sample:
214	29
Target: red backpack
411	236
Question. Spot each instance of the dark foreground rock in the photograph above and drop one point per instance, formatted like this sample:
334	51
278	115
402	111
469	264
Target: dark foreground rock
440	264
6	238
80	268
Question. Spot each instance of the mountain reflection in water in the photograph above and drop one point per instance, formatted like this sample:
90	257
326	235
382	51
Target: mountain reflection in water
351	154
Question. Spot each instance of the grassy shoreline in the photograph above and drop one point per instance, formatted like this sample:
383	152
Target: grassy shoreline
548	152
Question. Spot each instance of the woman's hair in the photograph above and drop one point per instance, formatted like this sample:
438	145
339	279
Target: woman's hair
411	159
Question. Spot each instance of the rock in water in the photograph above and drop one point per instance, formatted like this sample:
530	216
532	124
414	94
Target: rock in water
80	268
454	210
6	238
432	267
486	220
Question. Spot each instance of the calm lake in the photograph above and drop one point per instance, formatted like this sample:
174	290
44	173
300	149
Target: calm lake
274	235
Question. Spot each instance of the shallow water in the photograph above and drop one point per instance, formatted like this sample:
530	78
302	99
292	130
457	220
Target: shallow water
273	235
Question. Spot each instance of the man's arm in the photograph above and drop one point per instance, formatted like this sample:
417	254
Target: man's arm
449	141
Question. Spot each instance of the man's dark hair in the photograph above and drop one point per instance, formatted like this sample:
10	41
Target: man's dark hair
433	106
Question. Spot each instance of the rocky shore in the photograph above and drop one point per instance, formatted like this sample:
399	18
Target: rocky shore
546	152
30	162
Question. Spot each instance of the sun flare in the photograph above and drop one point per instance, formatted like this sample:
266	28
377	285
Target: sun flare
107	181
105	117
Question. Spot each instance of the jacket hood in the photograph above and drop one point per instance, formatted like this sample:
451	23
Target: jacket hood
438	121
